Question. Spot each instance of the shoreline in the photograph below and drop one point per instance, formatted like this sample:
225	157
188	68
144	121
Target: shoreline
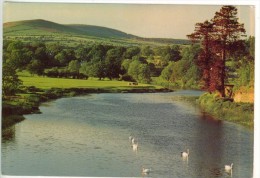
12	113
225	110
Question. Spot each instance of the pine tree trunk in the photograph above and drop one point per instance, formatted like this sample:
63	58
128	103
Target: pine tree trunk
223	73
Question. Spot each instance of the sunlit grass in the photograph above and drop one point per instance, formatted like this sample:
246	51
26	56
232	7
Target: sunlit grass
47	83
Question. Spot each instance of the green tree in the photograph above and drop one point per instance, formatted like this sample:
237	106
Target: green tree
84	68
167	71
65	56
52	49
10	80
35	67
125	65
133	69
144	73
174	53
81	53
14	45
98	70
98	52
74	66
17	54
184	72
146	51
139	71
132	51
113	62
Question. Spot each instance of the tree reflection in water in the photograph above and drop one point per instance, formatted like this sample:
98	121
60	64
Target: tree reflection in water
8	134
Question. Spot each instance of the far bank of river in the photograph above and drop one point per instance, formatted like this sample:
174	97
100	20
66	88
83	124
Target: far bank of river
28	102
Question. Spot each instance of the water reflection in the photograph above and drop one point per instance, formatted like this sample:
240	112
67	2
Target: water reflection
216	172
8	134
88	136
208	145
205	116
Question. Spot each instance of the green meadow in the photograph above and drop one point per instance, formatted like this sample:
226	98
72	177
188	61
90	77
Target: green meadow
48	83
37	89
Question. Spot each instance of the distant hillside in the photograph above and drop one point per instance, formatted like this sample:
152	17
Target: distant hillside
100	31
41	27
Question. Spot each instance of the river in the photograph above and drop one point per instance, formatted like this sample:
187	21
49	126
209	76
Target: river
88	136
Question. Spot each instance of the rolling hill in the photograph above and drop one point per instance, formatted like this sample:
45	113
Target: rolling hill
41	27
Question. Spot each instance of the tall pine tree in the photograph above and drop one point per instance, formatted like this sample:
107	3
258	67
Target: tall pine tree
203	33
227	32
219	39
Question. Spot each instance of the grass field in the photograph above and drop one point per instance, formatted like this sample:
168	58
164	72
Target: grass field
47	83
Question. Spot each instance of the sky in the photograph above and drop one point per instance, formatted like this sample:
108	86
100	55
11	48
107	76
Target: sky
144	20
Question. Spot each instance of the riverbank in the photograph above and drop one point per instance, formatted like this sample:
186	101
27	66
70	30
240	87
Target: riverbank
30	98
240	113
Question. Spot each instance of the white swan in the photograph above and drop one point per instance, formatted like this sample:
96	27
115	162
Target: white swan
133	140
185	154
229	167
135	146
146	171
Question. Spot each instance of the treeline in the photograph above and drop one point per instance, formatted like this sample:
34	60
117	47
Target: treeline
102	61
131	63
187	73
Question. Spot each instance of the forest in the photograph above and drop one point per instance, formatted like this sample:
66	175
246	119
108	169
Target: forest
173	66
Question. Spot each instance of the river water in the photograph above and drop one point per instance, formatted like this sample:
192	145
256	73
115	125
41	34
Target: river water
88	136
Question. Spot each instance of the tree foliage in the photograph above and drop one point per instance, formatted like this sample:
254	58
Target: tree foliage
185	72
220	39
139	71
89	60
10	80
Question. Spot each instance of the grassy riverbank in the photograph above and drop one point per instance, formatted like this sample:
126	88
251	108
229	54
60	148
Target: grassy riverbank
38	89
241	113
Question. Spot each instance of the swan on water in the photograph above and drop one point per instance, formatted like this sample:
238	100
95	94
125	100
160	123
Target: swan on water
185	154
146	171
229	167
135	146
132	139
